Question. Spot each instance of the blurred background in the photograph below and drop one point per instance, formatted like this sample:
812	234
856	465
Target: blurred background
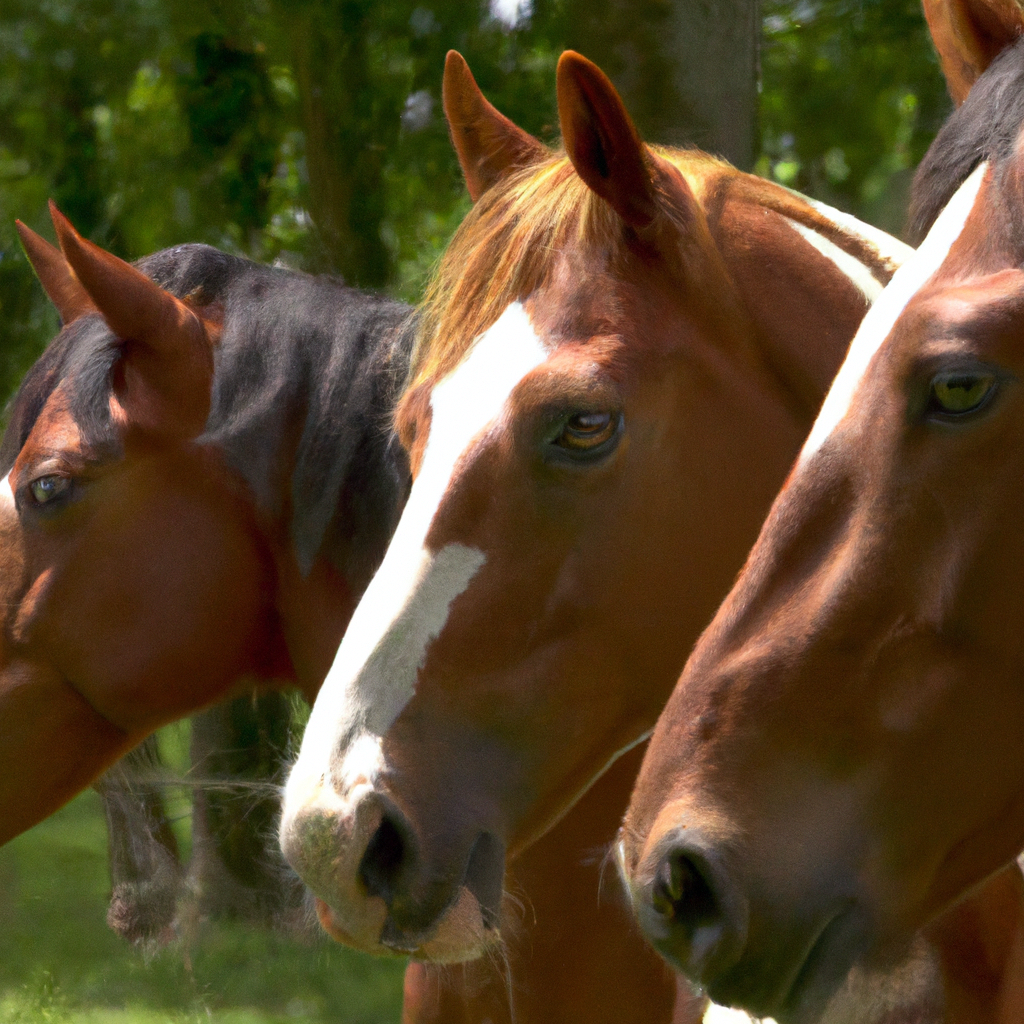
310	132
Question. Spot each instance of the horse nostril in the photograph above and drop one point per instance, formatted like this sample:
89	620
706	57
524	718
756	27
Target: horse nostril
382	862
695	916
681	892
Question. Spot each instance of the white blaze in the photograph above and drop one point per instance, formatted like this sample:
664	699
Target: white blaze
406	604
882	316
716	1014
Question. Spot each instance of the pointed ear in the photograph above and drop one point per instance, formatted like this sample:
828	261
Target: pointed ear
602	142
163	379
968	35
486	142
135	308
55	275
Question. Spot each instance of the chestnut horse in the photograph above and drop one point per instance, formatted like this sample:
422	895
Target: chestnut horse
160	544
843	758
618	359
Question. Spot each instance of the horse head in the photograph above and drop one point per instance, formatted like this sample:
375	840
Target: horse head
610	380
111	514
843	757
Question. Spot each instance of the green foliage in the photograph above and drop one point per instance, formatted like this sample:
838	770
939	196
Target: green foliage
310	131
852	96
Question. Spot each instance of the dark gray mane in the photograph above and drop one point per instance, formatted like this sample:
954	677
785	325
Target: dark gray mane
307	374
81	357
985	127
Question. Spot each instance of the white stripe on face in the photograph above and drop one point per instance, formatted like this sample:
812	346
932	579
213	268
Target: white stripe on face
882	316
852	267
406	604
6	494
716	1014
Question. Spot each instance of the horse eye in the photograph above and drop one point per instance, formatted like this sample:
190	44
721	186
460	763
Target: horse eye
587	430
46	488
958	393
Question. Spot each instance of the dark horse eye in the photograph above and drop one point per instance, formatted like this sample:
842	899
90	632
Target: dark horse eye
958	393
46	488
587	430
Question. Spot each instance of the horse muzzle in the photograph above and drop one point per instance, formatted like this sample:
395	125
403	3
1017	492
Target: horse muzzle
387	887
744	940
688	905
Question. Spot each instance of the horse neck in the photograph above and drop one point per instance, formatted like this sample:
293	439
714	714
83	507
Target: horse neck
805	273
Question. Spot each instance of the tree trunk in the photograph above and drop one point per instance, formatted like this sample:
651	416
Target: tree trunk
343	130
687	69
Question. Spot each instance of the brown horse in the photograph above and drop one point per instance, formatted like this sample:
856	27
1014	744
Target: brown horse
305	363
618	360
843	758
161	547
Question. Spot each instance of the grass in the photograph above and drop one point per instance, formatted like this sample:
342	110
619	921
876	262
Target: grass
60	963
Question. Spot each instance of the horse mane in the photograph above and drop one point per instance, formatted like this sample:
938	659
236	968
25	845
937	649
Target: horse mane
510	241
985	127
81	358
505	248
306	375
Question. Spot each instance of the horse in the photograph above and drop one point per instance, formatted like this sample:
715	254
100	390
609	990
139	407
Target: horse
843	757
617	360
206	482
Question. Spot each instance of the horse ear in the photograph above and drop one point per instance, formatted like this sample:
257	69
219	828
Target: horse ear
602	141
56	276
163	379
968	35
486	142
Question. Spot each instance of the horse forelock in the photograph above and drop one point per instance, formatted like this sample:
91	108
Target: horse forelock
79	362
510	243
501	252
984	128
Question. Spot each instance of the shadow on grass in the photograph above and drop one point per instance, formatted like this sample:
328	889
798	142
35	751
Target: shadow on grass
60	963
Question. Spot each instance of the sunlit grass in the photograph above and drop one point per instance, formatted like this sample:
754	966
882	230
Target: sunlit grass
59	962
